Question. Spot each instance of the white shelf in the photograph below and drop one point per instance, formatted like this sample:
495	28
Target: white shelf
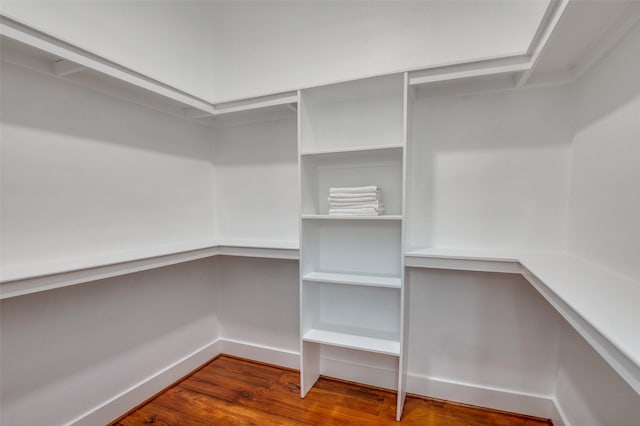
467	70
463	259
351	217
597	302
354	149
28	47
352	341
354	279
18	280
60	58
260	248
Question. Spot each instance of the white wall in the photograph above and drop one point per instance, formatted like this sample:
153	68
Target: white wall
258	305
256	178
166	40
85	174
483	330
490	170
64	352
604	203
265	47
588	390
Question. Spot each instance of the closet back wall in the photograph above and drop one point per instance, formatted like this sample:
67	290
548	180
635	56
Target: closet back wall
256	178
85	174
490	170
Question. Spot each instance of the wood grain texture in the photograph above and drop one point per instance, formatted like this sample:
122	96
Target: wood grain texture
232	391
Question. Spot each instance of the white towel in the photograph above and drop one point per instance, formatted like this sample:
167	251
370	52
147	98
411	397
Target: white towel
360	211
356	199
354	194
352	189
373	205
354	212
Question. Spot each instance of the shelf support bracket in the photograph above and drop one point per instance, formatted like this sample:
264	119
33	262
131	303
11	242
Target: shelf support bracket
64	67
195	113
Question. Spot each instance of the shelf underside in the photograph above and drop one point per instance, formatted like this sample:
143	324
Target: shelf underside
354	279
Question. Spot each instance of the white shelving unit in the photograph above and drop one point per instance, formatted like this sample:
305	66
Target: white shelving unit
352	268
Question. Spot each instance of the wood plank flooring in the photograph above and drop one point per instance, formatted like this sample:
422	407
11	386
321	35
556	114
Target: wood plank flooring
232	391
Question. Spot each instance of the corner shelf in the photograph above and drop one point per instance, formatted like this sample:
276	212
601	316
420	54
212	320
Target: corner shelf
353	341
354	279
575	287
22	279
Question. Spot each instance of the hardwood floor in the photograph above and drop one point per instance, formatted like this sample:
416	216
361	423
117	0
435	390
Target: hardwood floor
231	391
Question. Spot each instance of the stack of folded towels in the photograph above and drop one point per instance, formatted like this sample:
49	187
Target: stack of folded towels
355	201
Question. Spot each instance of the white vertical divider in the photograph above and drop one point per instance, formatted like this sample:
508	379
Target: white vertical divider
309	352
404	293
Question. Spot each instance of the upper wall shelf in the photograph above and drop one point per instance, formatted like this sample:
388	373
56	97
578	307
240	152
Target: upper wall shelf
571	38
556	56
41	52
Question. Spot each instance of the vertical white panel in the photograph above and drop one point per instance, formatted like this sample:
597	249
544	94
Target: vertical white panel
407	123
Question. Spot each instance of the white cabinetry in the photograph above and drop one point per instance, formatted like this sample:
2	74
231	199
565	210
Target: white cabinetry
352	268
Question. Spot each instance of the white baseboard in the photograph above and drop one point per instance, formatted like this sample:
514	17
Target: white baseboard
559	417
129	399
261	353
500	399
484	396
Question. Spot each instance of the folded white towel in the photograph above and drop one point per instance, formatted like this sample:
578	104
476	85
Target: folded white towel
355	214
374	205
354	194
355	199
342	212
364	211
352	189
